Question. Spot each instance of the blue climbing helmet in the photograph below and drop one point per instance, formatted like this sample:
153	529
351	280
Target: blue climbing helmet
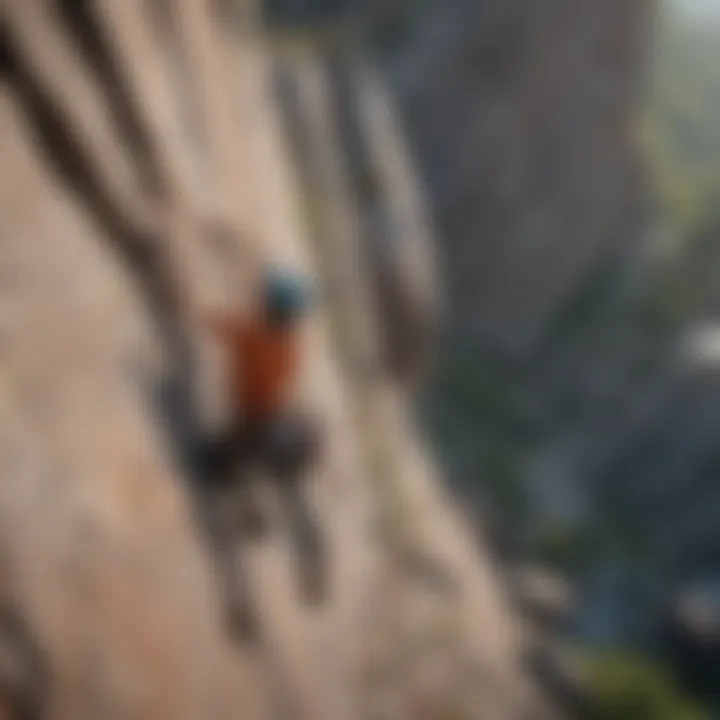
287	295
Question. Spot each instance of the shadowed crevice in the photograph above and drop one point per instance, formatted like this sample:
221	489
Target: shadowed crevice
139	249
89	36
24	676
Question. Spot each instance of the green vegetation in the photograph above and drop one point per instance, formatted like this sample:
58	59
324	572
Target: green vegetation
563	546
672	300
679	292
473	415
626	686
680	134
590	307
502	477
679	128
481	393
385	26
477	409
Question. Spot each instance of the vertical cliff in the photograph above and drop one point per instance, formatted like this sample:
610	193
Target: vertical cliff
521	114
576	389
145	169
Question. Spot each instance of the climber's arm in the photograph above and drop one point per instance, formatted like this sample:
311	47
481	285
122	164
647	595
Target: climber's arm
223	325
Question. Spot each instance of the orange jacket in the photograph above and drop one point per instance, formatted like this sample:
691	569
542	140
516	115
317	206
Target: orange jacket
263	363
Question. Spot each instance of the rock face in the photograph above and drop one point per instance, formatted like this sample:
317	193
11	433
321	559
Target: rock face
398	238
137	183
102	567
520	115
428	582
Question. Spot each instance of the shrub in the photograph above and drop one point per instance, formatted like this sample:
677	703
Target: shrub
563	546
626	686
503	479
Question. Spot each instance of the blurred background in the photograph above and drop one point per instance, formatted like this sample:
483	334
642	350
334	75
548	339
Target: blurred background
524	197
570	159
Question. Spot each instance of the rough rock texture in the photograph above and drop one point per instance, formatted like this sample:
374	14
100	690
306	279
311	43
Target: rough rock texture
141	175
520	114
433	596
398	239
101	559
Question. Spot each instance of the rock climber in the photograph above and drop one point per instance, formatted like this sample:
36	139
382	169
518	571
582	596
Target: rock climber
263	354
267	432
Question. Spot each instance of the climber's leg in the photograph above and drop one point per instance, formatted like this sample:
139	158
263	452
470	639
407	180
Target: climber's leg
309	544
241	615
224	516
293	443
225	463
